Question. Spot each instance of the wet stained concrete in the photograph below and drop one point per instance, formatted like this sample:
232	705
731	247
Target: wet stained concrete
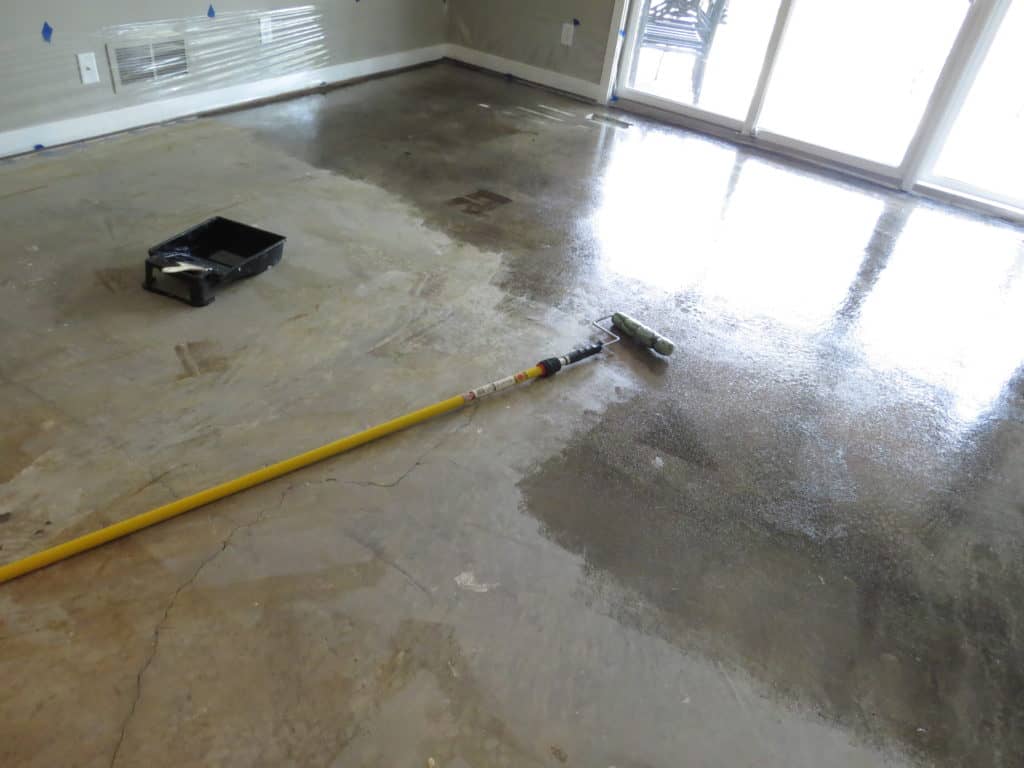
796	542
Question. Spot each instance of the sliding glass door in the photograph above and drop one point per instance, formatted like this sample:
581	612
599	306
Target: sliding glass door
891	88
702	54
983	154
855	76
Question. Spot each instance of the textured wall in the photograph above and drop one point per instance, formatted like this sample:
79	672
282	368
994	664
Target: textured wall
39	81
529	31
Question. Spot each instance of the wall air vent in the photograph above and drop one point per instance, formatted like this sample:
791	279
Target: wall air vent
151	62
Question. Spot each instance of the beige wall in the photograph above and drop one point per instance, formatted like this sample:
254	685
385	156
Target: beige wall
529	31
39	82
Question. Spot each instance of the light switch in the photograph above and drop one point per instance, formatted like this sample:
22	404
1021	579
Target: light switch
87	68
568	31
266	29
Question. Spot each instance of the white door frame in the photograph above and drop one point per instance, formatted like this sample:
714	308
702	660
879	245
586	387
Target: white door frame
630	31
768	67
613	51
961	70
914	171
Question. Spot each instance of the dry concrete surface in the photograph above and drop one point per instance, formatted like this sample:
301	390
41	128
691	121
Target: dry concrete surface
797	542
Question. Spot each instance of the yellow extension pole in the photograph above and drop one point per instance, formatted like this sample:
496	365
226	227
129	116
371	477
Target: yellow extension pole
265	475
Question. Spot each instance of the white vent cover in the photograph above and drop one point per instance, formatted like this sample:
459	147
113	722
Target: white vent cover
147	62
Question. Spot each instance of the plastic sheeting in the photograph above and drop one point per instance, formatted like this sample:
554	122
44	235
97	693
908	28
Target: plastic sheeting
152	60
160	59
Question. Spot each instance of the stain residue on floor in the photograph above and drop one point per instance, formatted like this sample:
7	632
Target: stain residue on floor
480	202
429	285
199	357
120	279
475	734
608	120
27	431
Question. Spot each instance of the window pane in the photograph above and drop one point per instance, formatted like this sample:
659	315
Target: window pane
705	53
984	147
855	77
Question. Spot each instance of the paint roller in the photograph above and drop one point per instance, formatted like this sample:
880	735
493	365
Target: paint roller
642	334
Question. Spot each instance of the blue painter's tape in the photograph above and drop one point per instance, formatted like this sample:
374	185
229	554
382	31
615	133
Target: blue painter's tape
47	31
39	147
211	13
622	33
575	22
614	98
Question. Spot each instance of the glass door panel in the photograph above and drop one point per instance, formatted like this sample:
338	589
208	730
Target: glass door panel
983	149
702	53
855	77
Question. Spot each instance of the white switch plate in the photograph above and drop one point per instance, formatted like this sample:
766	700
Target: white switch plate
87	68
266	29
568	30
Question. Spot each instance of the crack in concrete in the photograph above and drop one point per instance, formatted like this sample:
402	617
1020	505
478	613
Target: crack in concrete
155	644
419	461
261	515
382	555
157	480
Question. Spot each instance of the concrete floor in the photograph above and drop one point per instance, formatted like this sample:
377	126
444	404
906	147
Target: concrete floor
796	543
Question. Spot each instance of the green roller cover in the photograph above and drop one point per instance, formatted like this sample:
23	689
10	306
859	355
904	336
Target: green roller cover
641	333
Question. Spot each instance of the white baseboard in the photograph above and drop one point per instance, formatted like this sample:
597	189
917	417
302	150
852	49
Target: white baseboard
59	132
574	85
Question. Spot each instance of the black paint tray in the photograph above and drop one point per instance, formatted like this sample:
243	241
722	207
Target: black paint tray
199	262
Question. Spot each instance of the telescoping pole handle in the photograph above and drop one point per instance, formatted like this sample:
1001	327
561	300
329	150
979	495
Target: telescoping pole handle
553	365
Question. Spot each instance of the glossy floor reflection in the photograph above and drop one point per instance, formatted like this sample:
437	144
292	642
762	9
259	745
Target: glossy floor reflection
797	542
825	483
750	244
